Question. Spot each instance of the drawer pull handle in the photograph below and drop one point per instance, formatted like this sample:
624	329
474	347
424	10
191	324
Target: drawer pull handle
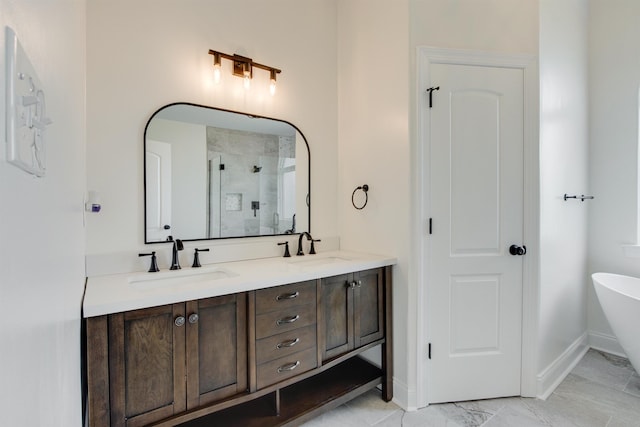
292	295
287	344
179	321
286	320
289	367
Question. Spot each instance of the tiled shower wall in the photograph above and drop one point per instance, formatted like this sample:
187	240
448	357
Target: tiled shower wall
243	182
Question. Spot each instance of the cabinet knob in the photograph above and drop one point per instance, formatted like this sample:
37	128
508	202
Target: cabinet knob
193	318
359	283
352	284
179	321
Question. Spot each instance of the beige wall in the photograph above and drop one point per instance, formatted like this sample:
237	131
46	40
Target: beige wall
142	55
373	58
614	70
564	147
41	227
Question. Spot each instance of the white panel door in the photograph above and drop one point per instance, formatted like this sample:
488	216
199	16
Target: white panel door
158	190
476	199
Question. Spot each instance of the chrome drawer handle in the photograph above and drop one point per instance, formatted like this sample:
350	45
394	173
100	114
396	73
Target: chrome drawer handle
287	344
286	320
193	318
179	321
289	367
287	296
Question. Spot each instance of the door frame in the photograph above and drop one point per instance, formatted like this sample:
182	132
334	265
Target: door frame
426	56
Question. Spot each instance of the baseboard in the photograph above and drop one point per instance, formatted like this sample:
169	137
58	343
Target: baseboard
552	375
606	343
402	396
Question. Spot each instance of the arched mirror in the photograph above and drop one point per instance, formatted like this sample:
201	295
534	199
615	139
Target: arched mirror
213	173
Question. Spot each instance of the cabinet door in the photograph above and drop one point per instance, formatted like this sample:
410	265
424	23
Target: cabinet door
337	313
216	348
147	365
368	307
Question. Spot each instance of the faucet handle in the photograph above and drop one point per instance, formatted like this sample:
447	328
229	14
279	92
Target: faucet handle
196	258
286	249
153	268
312	250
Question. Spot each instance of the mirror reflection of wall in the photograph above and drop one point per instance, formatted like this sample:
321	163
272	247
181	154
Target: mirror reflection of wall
184	199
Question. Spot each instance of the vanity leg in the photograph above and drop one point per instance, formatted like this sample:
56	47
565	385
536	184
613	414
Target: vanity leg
277	395
387	347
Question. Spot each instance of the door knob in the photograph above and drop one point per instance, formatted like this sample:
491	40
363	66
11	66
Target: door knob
517	250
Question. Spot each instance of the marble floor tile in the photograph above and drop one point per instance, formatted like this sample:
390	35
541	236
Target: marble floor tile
339	417
602	391
633	386
561	411
607	400
371	408
517	413
607	369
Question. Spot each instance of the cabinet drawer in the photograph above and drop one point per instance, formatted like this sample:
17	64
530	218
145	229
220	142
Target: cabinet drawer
286	367
285	344
279	297
276	322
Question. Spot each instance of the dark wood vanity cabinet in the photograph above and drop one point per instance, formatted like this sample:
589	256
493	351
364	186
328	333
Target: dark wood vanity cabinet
353	311
216	349
150	364
270	357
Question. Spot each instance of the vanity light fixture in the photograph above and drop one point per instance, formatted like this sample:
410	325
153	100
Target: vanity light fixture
242	67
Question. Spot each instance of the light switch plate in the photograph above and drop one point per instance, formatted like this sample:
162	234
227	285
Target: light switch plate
26	112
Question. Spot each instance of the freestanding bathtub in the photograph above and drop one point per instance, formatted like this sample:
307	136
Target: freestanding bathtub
619	297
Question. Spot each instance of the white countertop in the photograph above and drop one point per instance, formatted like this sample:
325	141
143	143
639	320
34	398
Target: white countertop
121	292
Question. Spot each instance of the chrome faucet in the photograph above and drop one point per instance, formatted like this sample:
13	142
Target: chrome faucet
177	246
304	233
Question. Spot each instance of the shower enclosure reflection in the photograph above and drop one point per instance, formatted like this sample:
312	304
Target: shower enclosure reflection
262	178
212	173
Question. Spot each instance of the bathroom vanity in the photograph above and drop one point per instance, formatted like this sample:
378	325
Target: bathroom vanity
266	342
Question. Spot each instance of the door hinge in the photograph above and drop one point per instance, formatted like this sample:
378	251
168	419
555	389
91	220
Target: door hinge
221	167
430	225
429	351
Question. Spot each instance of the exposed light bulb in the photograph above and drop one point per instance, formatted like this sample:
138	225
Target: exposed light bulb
272	84
247	75
217	73
217	67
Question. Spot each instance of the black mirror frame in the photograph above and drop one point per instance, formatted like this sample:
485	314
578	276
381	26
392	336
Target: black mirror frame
144	162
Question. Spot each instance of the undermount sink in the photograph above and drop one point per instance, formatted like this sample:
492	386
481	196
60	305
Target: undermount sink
314	262
147	281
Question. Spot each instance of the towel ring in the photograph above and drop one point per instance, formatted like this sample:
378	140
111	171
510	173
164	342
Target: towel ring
365	189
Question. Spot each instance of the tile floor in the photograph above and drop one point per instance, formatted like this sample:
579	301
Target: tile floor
602	391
